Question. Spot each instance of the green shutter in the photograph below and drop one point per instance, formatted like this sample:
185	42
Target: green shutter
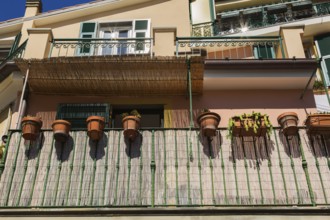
77	114
265	52
87	30
141	25
324	44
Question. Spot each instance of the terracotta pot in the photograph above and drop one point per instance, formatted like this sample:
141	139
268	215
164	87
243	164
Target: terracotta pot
31	127
240	130
95	126
61	130
318	123
131	125
208	122
289	123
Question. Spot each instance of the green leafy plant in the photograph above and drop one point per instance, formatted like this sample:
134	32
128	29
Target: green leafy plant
253	120
132	113
318	85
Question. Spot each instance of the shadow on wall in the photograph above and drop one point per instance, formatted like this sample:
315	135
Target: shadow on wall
211	146
97	148
291	145
319	145
133	148
32	148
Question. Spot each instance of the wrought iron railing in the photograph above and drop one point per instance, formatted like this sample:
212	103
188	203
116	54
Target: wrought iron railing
101	47
242	20
231	47
18	53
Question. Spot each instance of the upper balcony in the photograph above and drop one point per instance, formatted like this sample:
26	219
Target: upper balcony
241	20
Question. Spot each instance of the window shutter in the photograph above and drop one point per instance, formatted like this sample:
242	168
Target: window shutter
87	30
141	29
77	114
265	52
324	45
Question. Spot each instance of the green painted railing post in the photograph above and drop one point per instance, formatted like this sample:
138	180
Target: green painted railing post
209	141
106	167
281	167
200	171
235	172
71	169
317	164
282	47
223	175
165	170
270	168
58	173
83	166
176	170
188	167
326	150
153	169
305	167
246	170
4	154
140	170
258	170
93	176
117	169
47	172
129	166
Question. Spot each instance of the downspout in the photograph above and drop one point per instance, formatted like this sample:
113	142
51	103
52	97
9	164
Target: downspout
22	106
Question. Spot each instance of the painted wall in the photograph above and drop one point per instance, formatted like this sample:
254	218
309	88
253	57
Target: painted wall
200	11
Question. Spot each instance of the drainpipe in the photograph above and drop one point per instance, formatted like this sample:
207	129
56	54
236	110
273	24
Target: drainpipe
22	103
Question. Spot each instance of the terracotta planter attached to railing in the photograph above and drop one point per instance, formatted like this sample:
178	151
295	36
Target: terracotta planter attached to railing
318	123
31	127
208	123
131	125
95	126
289	123
61	130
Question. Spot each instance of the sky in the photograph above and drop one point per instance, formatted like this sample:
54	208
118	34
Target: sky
15	8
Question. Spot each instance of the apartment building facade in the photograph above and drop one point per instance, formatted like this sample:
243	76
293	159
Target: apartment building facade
169	60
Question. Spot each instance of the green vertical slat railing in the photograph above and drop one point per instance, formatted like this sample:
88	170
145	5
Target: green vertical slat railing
58	173
129	166
26	161
188	168
71	169
305	167
13	169
258	170
200	171
36	172
47	172
83	165
317	164
94	172
235	172
223	175
141	174
281	167
4	155
165	170
211	169
153	169
246	170
294	171
270	169
106	167
176	169
117	169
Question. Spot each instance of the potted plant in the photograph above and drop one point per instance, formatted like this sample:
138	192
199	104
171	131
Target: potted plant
61	130
31	127
131	124
255	124
208	122
318	123
95	126
288	122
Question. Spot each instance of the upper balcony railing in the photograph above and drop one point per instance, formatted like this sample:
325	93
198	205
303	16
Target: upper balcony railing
101	47
241	20
231	47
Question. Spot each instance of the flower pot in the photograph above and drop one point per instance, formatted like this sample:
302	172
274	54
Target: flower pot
208	122
318	123
95	126
31	127
239	128
131	126
61	130
289	123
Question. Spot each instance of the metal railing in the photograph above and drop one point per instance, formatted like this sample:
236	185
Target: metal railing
101	47
241	20
231	47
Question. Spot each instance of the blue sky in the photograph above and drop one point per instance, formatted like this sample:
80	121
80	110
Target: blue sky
15	8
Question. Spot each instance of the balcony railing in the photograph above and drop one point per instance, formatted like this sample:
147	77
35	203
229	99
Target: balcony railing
231	47
252	18
101	47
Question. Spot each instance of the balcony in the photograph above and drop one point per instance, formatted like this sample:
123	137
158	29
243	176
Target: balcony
242	20
101	47
164	168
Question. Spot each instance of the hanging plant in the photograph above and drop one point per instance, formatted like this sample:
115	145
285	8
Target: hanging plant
254	124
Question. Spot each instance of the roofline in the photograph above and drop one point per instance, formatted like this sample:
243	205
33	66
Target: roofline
169	211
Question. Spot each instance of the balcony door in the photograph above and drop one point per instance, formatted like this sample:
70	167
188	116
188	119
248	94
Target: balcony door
323	48
115	43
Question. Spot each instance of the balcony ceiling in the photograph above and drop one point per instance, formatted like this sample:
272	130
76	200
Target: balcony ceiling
113	75
258	74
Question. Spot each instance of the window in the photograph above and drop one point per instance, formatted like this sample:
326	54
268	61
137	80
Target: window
77	114
117	37
4	52
264	51
152	116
